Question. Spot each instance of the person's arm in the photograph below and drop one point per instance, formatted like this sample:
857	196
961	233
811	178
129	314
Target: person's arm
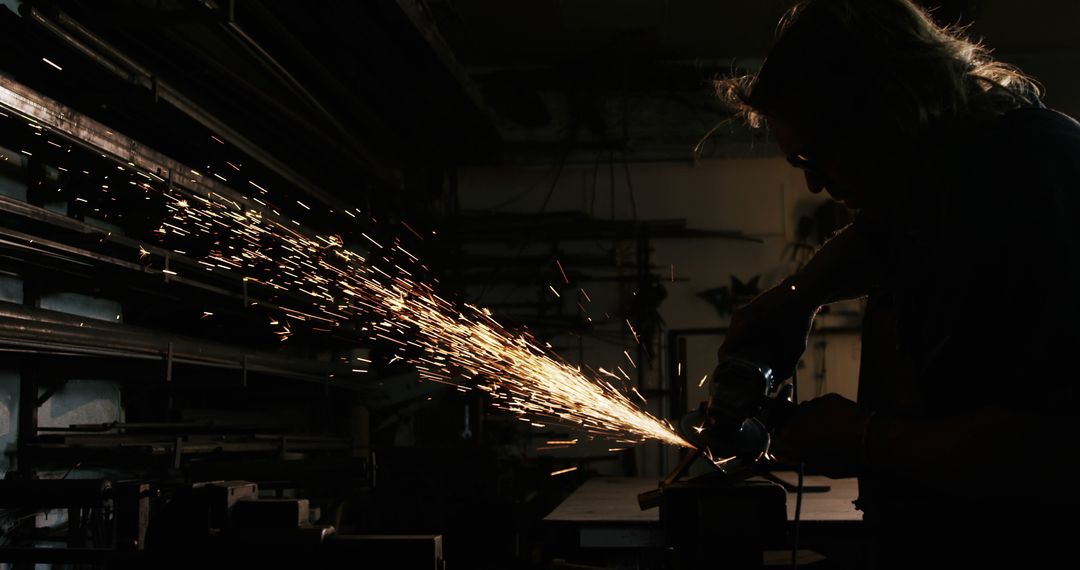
844	267
972	453
772	329
987	450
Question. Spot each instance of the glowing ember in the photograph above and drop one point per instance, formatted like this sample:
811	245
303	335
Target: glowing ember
565	278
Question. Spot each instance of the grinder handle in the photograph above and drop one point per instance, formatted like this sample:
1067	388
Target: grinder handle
778	410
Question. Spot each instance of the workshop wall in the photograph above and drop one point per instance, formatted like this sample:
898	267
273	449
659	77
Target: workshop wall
761	197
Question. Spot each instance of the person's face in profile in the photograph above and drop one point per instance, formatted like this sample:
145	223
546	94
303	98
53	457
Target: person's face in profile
817	155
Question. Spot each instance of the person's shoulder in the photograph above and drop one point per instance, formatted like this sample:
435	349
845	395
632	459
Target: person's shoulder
1026	142
1037	125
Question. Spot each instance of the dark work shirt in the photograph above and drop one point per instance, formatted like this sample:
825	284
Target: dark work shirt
980	304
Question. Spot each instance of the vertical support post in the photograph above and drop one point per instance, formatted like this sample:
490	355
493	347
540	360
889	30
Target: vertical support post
178	451
75	527
132	515
169	364
28	420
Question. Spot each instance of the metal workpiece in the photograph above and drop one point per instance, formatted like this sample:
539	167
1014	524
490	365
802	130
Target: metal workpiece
707	520
719	512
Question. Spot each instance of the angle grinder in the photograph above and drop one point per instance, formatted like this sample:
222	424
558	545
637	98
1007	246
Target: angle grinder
746	403
732	430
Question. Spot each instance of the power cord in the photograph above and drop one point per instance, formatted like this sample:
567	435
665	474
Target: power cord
799	487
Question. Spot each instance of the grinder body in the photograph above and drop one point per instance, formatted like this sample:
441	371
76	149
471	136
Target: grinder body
745	404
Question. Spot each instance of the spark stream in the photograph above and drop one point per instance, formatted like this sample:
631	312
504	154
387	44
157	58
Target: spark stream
462	346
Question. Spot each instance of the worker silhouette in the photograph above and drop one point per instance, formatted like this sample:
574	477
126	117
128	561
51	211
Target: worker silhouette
966	241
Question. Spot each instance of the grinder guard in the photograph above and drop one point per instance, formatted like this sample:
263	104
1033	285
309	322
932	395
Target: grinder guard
740	414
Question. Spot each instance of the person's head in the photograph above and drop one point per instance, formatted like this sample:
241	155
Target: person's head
851	85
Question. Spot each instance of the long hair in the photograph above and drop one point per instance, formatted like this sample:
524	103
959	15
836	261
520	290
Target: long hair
879	65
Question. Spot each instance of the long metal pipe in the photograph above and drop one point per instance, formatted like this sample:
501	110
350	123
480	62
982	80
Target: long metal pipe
417	14
274	66
15	240
50	330
108	57
86	132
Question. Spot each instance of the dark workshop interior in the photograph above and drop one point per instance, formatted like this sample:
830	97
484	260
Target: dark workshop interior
441	284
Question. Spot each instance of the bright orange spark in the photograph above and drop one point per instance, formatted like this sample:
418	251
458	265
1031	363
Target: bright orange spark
637	339
565	279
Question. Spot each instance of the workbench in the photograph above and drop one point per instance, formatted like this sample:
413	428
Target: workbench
603	516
